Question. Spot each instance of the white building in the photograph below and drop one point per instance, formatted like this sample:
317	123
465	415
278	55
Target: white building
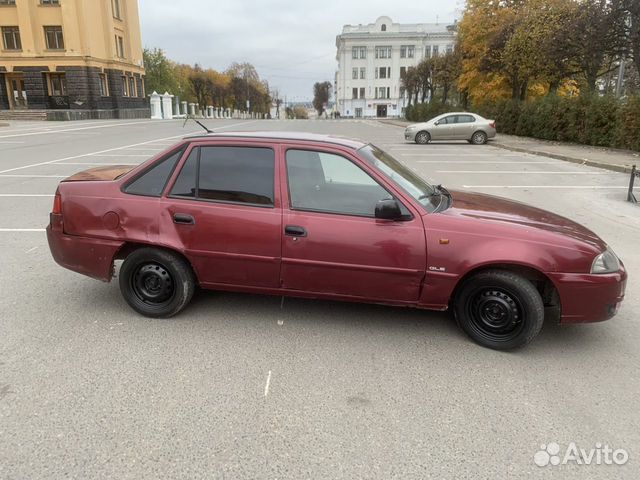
372	57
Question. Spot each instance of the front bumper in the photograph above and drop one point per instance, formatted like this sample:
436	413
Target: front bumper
587	298
89	256
410	135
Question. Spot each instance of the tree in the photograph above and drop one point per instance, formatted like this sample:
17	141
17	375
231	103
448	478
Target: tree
159	71
446	70
321	95
410	82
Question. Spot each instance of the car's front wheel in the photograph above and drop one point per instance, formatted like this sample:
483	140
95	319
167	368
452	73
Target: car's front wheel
499	309
479	138
156	283
423	138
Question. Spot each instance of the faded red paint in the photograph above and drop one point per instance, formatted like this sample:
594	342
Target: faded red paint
417	263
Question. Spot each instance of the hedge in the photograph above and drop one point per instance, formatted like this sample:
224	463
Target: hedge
596	120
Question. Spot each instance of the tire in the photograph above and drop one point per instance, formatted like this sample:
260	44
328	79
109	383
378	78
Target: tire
156	283
422	138
479	138
499	309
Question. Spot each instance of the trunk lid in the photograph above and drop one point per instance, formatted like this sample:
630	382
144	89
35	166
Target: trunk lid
106	173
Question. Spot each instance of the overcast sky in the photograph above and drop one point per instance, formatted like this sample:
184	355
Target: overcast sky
291	43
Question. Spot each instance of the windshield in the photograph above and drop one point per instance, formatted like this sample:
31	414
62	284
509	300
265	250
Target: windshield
423	192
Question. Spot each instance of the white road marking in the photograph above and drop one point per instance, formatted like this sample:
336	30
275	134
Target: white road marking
12	142
22	230
96	163
266	387
121	155
31	250
33	176
594	187
522	172
50	130
480	162
453	155
182	135
26	195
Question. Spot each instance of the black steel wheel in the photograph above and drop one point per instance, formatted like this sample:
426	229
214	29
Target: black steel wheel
423	138
479	138
499	309
156	283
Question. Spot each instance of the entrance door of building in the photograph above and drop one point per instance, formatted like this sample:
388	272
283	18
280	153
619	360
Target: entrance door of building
381	111
17	92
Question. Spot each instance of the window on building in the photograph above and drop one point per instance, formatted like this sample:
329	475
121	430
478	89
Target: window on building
362	92
104	85
403	71
229	175
354	93
354	74
7	2
132	87
115	6
358	53
383	93
449	49
435	50
57	83
403	91
427	51
354	53
125	87
142	90
11	38
407	51
119	46
363	73
383	52
53	38
50	2
383	72
363	52
383	28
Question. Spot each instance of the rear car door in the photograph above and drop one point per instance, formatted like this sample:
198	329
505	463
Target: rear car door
223	212
464	127
333	244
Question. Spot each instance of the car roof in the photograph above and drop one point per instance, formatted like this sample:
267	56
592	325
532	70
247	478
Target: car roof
293	136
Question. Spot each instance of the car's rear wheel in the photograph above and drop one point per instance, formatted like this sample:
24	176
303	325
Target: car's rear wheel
156	283
479	138
499	309
423	138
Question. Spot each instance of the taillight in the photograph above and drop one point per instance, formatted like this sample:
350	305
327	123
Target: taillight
492	124
57	204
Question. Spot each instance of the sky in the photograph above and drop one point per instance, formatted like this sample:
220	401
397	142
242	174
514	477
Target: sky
291	43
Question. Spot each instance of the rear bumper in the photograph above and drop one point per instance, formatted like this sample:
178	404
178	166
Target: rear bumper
89	256
587	298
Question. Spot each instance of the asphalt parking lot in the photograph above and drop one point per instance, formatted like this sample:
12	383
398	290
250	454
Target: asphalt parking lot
245	386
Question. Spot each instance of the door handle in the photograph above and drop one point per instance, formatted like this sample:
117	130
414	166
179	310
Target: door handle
295	231
183	219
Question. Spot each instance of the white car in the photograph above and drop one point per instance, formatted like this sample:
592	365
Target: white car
452	126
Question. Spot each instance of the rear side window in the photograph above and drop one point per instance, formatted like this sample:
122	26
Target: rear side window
228	174
152	182
466	119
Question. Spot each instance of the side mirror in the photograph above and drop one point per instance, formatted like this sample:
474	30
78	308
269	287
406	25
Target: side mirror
437	123
388	209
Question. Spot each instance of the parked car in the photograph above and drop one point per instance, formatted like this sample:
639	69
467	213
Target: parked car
452	126
322	217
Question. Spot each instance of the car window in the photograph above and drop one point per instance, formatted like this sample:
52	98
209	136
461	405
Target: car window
466	119
152	182
448	120
228	174
324	182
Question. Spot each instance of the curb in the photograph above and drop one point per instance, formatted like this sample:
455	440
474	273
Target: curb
3	124
579	161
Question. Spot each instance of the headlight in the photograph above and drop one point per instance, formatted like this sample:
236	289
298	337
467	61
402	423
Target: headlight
410	128
606	262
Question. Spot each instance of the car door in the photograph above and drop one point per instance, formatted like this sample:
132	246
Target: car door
224	213
444	129
332	243
464	127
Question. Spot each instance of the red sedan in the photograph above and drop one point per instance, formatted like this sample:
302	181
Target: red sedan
324	217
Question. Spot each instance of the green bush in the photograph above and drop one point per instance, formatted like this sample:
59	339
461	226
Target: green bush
591	120
426	111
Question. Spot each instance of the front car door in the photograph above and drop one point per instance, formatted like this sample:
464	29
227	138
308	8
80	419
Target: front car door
223	211
332	243
444	129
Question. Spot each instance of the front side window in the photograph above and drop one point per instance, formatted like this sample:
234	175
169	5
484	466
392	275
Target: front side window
329	183
11	38
54	38
151	183
229	175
